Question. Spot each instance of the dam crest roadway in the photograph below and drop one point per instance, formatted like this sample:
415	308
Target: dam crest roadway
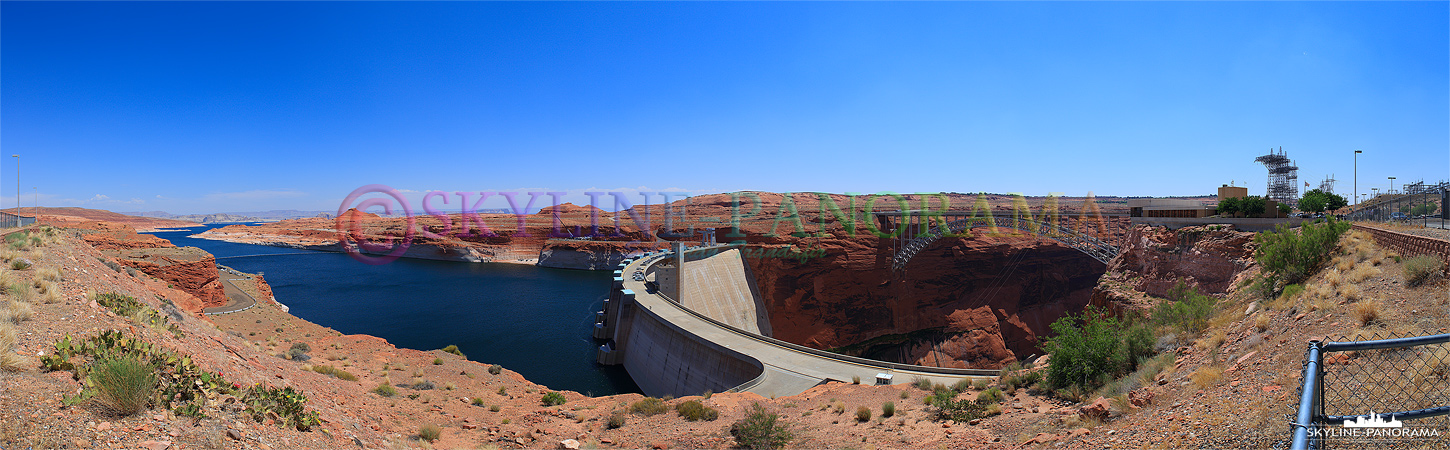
683	329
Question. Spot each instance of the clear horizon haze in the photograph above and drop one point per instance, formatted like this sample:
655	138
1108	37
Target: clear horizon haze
204	107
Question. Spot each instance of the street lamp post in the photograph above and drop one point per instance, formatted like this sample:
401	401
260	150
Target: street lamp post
1394	207
1356	176
17	190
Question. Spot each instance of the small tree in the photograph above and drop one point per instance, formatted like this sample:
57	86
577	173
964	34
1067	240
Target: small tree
1284	209
1253	206
760	430
1229	206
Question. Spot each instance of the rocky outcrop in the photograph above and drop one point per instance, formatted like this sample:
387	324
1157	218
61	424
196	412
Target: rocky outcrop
1154	259
189	269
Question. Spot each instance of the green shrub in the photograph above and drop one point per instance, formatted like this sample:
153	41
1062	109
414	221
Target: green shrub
1423	268
761	430
437	361
19	264
888	409
1185	309
863	414
385	390
989	396
495	369
493	408
123	384
616	420
553	398
477	401
921	383
693	411
429	432
1290	256
1091	349
948	407
454	350
649	406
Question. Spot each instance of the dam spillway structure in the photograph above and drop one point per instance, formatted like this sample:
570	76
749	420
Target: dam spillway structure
691	319
1283	182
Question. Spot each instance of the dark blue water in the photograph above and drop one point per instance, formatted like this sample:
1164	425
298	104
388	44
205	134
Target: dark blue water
533	320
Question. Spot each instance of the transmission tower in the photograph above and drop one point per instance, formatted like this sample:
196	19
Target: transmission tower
1283	177
1328	184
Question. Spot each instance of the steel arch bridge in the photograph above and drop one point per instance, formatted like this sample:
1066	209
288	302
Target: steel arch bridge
1088	244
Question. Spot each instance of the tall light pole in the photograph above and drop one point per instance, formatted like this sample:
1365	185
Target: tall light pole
1356	176
17	189
1376	205
1392	186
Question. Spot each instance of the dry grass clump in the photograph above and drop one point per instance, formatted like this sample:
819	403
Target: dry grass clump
1367	311
1334	278
123	384
1362	272
1206	376
1261	322
48	274
9	360
14	312
1352	293
1212	341
19	292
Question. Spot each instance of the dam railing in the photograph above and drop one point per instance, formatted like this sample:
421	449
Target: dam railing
1392	392
651	259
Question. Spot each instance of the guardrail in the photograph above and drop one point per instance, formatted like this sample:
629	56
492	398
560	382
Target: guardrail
1429	371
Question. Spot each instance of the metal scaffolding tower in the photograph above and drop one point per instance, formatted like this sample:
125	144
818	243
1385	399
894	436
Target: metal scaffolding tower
1283	177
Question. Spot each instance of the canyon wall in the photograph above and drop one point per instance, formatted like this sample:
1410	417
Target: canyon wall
1213	259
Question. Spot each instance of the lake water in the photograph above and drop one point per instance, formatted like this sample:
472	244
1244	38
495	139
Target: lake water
534	320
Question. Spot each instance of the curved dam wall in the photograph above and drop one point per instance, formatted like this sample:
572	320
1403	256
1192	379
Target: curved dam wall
661	356
669	348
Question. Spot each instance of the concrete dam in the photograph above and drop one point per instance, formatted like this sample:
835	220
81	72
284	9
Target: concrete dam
691	319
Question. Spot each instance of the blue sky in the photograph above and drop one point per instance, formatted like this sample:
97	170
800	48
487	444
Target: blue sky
207	107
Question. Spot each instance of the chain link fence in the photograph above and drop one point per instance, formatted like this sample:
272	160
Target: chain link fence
1379	391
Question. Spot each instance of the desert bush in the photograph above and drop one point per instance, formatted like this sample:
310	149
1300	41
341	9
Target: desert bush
1091	349
429	432
454	350
888	409
981	384
838	407
123	384
437	361
693	411
553	399
649	406
495	369
616	420
922	383
1261	321
855	379
1423	268
1186	309
948	407
1290	256
476	401
493	408
992	395
19	264
863	414
761	430
385	390
422	385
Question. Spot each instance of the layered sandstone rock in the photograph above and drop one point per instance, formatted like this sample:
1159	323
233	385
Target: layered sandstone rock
189	269
1154	259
